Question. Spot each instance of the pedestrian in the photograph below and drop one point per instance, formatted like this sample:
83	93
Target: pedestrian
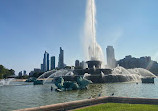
51	88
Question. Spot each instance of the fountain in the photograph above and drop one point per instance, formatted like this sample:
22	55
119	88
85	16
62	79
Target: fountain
4	82
96	72
46	74
59	73
41	79
92	49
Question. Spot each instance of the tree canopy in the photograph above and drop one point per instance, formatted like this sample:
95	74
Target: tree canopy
4	72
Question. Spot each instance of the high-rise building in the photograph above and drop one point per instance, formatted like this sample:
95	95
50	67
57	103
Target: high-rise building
61	59
46	62
130	62
20	74
77	63
83	65
111	62
52	62
37	70
31	73
24	73
42	70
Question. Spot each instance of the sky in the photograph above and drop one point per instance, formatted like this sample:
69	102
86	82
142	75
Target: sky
28	28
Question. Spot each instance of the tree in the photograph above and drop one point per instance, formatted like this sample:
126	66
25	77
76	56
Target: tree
4	72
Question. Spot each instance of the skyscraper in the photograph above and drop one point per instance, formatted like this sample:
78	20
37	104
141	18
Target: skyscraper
52	62
42	70
24	73
20	74
111	62
77	63
61	59
46	62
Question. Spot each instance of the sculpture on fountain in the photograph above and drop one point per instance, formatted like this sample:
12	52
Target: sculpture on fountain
62	85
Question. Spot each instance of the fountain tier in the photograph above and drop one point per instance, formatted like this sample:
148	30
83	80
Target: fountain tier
94	64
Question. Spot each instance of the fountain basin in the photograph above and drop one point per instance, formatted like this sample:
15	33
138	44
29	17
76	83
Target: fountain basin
148	80
38	82
110	78
92	71
31	79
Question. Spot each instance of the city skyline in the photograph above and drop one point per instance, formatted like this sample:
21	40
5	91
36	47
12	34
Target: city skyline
33	27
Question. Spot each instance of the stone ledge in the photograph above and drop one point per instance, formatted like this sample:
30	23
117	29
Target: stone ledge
89	102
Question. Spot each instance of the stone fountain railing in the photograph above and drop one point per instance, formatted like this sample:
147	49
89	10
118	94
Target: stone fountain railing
88	102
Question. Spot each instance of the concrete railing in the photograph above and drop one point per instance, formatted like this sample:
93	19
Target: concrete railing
132	100
93	101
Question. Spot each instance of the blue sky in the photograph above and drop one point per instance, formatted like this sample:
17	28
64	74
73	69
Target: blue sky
29	27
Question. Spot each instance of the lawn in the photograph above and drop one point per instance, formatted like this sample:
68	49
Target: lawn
119	107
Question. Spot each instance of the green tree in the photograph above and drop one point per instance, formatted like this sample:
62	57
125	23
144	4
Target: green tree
4	72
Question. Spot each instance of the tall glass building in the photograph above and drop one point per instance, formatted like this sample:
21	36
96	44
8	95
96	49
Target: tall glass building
111	62
46	62
52	62
61	59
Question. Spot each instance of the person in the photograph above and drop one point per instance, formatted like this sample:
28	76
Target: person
51	88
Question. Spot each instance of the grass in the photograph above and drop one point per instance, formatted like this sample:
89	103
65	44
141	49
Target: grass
119	107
